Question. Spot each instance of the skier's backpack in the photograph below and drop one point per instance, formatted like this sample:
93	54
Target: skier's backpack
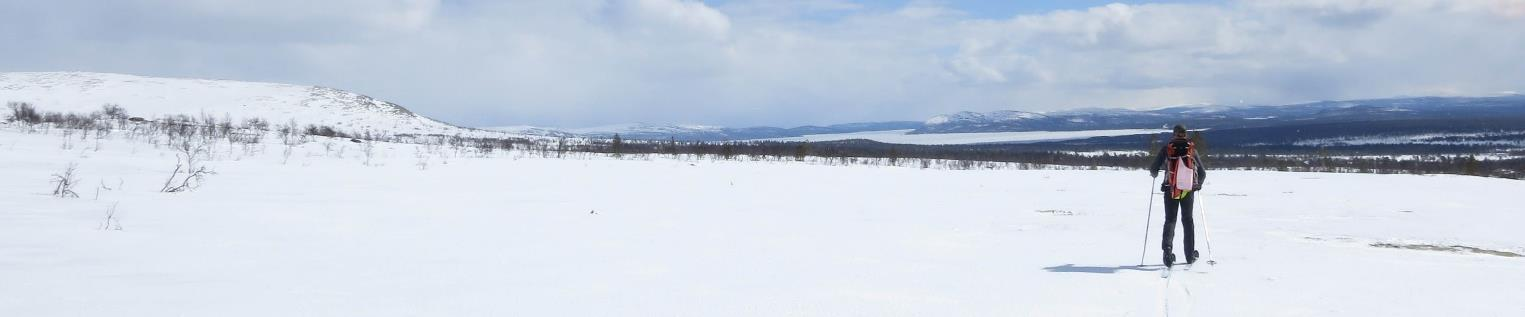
1183	167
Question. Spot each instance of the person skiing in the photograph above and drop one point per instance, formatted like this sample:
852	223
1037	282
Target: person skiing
1184	177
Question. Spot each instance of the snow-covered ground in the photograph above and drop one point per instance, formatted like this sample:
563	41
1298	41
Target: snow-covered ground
430	231
904	136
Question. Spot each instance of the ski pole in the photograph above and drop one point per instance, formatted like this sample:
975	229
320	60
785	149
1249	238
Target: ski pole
1149	219
1206	234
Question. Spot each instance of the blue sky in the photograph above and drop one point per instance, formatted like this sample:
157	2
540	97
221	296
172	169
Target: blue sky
572	63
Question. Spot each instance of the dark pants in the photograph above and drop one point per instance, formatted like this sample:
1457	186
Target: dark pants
1183	208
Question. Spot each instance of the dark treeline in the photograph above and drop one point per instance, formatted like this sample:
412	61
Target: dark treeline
1027	155
1450	136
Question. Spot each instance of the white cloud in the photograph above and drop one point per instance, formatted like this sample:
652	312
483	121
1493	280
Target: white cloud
667	19
589	62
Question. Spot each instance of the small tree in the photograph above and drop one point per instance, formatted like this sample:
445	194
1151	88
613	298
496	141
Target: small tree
1323	159
617	145
290	133
561	147
1470	166
1199	141
672	146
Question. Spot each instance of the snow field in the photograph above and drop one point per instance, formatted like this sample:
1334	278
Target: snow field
323	234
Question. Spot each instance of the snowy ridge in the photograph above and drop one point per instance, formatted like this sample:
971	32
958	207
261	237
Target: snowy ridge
995	117
532	130
152	97
639	128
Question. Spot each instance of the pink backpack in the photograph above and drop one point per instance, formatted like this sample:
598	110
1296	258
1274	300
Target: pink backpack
1183	167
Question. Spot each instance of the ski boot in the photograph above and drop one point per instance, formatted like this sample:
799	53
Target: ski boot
1170	260
1191	258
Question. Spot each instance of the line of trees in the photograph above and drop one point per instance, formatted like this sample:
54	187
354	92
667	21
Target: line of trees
1137	156
898	154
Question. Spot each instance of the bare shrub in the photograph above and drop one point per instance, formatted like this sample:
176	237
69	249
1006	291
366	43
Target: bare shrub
289	132
23	112
63	183
112	222
257	124
423	159
113	111
485	149
101	132
106	188
249	132
324	130
224	127
70	120
207	124
286	153
369	149
189	171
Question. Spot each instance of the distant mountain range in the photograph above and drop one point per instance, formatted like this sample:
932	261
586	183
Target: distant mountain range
645	131
1232	117
1217	117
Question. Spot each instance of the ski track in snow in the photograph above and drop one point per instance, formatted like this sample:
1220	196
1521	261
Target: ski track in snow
1165	295
1176	287
322	234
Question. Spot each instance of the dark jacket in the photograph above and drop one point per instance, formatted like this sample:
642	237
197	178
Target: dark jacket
1159	161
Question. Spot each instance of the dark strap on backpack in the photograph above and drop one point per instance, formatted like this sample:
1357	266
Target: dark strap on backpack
1178	148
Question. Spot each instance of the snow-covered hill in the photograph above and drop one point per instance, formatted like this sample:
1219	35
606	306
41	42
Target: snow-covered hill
152	97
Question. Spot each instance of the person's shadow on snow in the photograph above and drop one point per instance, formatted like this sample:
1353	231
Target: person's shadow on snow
1071	268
